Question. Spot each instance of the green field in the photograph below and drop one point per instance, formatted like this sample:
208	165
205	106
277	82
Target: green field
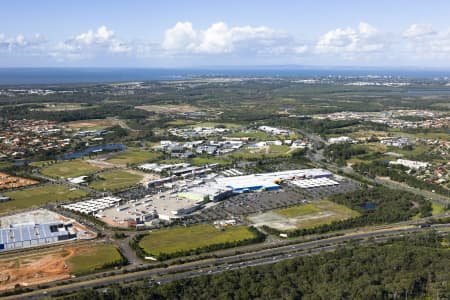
38	196
297	211
215	124
169	241
308	215
93	259
134	156
201	161
69	169
257	135
115	180
273	151
437	209
317	213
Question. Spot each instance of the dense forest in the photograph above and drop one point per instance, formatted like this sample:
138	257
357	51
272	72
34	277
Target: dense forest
412	268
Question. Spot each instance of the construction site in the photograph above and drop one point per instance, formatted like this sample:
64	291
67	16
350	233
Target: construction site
8	181
37	228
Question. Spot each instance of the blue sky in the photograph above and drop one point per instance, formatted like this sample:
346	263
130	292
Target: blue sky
223	33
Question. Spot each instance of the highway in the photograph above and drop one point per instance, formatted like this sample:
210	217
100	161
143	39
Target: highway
216	265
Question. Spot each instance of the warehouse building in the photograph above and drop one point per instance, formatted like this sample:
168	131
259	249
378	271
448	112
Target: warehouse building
314	183
269	181
206	192
93	206
29	235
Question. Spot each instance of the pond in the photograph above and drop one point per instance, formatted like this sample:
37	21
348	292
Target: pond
92	149
368	206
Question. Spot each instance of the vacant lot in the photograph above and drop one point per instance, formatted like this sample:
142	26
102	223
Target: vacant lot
7	181
168	108
168	241
201	161
39	196
94	124
62	106
115	180
54	265
272	151
133	157
69	169
304	216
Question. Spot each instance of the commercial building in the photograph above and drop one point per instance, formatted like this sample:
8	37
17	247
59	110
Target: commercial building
90	207
313	183
340	140
268	181
29	235
411	164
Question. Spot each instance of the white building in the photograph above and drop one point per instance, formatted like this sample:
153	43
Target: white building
340	140
412	164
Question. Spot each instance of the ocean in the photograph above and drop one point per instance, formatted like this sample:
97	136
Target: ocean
48	76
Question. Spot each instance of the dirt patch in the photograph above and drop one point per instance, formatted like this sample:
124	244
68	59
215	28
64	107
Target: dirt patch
91	123
7	181
100	163
35	269
165	109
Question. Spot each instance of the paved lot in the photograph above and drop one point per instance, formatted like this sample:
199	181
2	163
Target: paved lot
250	203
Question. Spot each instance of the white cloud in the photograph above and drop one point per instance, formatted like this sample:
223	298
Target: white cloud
89	44
20	42
102	35
418	30
422	42
365	38
218	38
181	36
301	49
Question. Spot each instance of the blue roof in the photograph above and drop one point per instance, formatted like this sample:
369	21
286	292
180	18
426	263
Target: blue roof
29	232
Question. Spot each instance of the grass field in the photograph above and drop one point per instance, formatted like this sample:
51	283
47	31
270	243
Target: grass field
172	240
304	216
69	169
257	135
297	211
115	180
134	156
62	106
260	153
38	196
200	161
92	124
437	209
93	258
215	124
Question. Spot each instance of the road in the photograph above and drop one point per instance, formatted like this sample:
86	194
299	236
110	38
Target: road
216	265
318	158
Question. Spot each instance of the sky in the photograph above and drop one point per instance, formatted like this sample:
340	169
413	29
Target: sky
194	33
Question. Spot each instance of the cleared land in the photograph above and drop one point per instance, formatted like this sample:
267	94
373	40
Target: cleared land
134	156
168	108
272	151
304	216
55	265
168	241
62	106
38	196
69	169
201	161
94	124
115	180
8	181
